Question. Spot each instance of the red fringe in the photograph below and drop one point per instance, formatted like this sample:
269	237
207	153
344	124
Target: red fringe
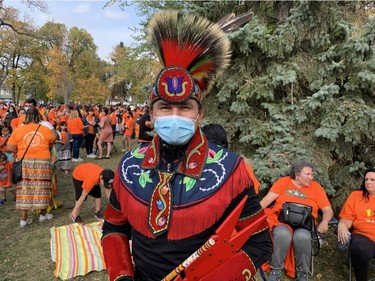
189	221
114	216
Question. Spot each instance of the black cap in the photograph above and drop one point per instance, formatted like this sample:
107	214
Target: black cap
108	176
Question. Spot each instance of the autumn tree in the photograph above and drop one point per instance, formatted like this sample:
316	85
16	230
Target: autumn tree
91	90
59	79
130	72
15	51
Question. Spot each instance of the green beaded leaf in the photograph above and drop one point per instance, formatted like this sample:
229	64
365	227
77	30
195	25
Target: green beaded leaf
144	179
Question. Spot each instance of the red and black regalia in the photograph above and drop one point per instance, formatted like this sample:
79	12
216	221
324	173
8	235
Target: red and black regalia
169	200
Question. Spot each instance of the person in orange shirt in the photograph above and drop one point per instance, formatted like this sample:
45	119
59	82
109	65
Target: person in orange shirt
5	135
358	213
113	121
299	187
125	117
87	180
6	179
129	129
64	115
90	131
76	128
3	110
62	145
35	188
52	116
15	121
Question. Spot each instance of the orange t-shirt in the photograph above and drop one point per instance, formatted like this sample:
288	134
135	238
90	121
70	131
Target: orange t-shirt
89	173
75	126
129	127
113	118
4	148
125	118
2	113
64	118
14	123
312	195
361	212
21	119
6	175
91	118
39	148
52	116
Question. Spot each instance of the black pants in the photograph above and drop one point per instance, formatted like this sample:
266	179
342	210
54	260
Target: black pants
89	143
362	250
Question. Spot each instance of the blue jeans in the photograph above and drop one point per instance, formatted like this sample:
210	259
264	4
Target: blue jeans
77	141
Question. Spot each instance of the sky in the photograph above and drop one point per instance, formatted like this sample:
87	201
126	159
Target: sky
108	26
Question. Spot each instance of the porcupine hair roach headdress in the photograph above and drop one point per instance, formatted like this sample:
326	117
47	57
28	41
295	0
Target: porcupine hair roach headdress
193	52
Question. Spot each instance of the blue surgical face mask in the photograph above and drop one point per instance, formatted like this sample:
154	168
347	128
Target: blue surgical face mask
174	129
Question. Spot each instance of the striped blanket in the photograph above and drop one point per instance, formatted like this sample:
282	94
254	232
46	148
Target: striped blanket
76	249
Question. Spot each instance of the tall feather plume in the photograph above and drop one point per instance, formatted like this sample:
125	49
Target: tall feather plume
191	42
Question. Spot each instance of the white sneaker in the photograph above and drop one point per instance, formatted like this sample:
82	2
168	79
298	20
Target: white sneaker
91	155
79	159
45	218
74	160
25	223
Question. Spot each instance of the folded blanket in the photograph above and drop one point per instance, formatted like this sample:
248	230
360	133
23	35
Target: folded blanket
76	249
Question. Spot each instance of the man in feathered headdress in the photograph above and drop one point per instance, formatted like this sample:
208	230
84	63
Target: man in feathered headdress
172	195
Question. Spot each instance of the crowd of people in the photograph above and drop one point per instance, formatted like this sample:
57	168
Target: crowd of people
48	139
177	195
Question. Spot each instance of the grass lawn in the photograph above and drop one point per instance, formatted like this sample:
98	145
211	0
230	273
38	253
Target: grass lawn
25	253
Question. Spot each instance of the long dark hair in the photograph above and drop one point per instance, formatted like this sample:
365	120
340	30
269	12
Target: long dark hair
33	116
365	193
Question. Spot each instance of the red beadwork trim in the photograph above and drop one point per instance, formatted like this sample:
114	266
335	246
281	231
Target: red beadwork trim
160	205
192	166
196	156
152	155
